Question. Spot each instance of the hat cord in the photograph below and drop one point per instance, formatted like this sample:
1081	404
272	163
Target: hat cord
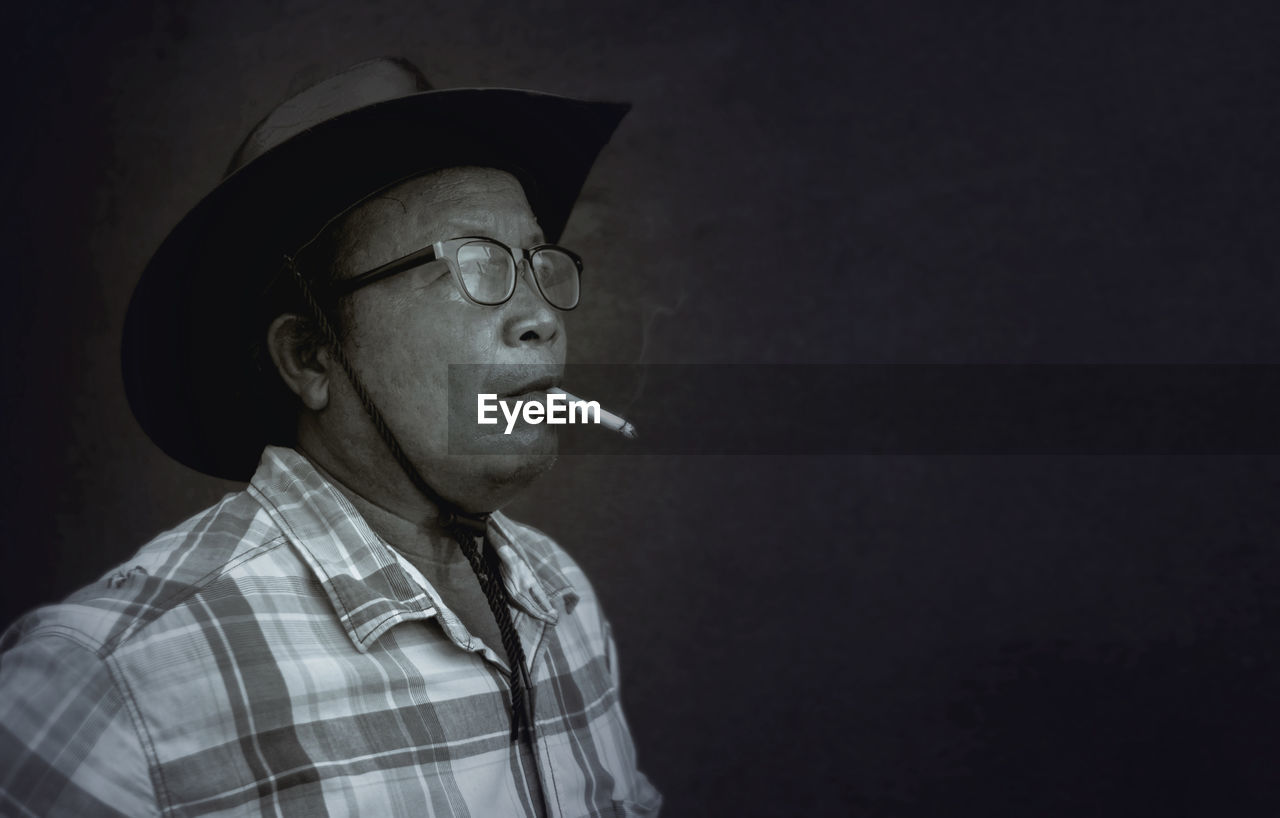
461	525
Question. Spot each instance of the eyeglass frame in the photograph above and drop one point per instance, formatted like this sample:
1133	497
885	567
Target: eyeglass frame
436	252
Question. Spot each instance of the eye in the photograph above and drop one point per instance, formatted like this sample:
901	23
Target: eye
424	275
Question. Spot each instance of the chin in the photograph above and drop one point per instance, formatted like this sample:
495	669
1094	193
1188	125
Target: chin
490	480
496	480
515	471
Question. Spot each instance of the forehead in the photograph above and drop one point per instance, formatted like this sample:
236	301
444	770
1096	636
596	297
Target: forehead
438	206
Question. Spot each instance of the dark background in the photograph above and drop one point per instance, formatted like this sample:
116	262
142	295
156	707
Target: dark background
798	183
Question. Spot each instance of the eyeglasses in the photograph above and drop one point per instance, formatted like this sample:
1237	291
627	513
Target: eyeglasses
485	270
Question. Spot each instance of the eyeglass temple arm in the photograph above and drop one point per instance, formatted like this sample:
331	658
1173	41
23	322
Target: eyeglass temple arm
338	289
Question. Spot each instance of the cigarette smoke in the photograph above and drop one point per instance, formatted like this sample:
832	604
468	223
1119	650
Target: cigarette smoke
651	311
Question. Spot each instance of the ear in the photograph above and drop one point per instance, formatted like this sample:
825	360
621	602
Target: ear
304	363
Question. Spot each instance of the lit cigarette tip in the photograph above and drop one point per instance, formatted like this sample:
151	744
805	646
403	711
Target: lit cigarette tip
607	419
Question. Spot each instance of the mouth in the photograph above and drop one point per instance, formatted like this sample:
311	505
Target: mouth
536	385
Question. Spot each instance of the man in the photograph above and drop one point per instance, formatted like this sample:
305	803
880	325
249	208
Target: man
360	632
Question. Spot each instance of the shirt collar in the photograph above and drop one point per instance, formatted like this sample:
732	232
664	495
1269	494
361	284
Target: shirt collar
363	577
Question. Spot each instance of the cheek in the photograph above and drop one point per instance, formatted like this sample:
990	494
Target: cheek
406	348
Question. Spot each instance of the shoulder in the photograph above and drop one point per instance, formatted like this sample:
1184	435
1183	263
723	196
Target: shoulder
163	574
67	725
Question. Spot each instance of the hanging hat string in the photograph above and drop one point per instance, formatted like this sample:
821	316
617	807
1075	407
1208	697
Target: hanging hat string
460	525
488	570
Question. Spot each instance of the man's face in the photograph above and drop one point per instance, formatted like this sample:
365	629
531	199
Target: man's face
402	333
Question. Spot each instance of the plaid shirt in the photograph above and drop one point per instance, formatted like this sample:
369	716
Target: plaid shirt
273	656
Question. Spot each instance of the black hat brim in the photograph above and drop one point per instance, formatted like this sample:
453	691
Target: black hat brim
193	318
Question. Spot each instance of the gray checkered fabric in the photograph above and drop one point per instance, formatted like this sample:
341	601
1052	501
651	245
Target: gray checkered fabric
273	656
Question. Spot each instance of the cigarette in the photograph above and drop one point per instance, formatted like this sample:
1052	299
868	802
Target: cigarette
607	419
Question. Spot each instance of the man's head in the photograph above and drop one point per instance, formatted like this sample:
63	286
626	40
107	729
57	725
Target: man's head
402	333
190	356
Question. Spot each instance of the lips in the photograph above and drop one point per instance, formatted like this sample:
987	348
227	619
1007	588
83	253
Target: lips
538	384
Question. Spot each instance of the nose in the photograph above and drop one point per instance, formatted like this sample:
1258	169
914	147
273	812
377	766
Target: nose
529	318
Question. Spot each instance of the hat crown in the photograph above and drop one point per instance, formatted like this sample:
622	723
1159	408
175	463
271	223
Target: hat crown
366	83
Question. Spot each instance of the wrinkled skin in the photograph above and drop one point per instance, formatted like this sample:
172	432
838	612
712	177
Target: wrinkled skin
402	333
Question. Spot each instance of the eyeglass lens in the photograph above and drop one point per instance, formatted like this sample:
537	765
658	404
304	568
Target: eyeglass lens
489	274
487	271
557	275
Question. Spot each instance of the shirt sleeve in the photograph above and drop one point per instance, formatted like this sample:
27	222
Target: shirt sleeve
645	801
68	746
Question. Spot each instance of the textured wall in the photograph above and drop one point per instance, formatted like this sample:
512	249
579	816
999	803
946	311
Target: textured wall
797	183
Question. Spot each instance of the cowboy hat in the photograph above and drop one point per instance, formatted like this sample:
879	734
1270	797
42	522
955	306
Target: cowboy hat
196	315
